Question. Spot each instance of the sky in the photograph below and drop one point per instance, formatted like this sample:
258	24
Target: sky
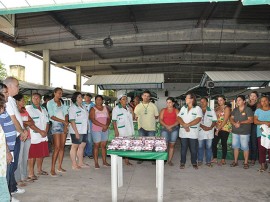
34	69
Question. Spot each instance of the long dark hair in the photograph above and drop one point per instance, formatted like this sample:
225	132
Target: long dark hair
193	97
74	96
55	90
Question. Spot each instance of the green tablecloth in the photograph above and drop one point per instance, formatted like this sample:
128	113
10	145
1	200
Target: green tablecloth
140	155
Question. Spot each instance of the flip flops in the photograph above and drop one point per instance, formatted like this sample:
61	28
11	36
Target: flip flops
42	173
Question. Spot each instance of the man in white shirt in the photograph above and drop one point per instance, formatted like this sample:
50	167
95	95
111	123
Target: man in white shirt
11	108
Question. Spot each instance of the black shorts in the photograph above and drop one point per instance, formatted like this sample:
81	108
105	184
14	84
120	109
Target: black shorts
74	140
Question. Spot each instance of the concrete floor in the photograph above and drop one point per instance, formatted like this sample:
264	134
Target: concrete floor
206	184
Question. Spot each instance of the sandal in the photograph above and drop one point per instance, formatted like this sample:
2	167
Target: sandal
97	166
106	164
21	184
195	166
182	166
32	177
42	173
233	164
214	161
170	163
246	166
61	170
209	165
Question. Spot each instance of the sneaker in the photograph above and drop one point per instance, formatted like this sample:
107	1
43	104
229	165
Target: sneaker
18	191
14	199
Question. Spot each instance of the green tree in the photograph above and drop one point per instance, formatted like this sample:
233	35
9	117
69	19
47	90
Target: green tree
3	71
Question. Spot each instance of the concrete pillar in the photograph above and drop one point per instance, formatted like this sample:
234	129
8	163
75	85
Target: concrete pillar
46	67
78	78
96	89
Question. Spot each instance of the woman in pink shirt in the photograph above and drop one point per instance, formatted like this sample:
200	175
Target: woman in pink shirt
101	120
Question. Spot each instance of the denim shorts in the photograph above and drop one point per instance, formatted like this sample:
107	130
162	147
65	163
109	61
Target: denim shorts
100	136
240	141
57	128
74	140
170	136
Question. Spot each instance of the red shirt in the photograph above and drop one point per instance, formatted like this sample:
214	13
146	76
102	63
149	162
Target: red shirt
169	118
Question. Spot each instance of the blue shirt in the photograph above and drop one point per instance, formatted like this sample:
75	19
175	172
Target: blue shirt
88	107
53	109
262	116
9	130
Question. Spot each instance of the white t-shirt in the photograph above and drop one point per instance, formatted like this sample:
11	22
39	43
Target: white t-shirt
207	119
12	110
80	116
41	119
187	117
124	120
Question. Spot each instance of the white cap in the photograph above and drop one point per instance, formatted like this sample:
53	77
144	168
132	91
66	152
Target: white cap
120	96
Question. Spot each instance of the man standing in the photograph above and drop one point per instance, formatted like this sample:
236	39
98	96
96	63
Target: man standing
11	135
89	144
146	113
12	110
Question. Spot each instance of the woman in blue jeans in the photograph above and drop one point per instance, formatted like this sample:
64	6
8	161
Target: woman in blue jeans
189	118
206	133
170	129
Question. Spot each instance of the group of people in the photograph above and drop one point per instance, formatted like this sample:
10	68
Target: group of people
200	128
24	131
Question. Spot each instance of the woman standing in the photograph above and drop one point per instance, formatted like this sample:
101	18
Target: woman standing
21	172
101	119
253	149
170	129
241	119
262	116
223	129
206	133
39	141
189	118
59	117
122	118
78	118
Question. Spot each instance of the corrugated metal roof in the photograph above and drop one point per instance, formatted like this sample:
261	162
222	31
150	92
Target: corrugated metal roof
236	78
239	76
129	81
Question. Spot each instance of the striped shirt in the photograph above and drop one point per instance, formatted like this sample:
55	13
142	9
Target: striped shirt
9	130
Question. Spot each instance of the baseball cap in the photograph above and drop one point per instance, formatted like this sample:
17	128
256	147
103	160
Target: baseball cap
120	96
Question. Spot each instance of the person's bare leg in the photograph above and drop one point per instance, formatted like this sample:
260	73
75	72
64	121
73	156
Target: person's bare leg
73	154
80	154
104	153
39	164
56	142
96	147
236	154
62	151
171	151
246	153
31	164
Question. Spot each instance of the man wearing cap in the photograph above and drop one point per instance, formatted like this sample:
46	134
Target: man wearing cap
89	144
122	117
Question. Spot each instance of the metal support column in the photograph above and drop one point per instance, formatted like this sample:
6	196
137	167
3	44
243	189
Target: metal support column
46	67
78	78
